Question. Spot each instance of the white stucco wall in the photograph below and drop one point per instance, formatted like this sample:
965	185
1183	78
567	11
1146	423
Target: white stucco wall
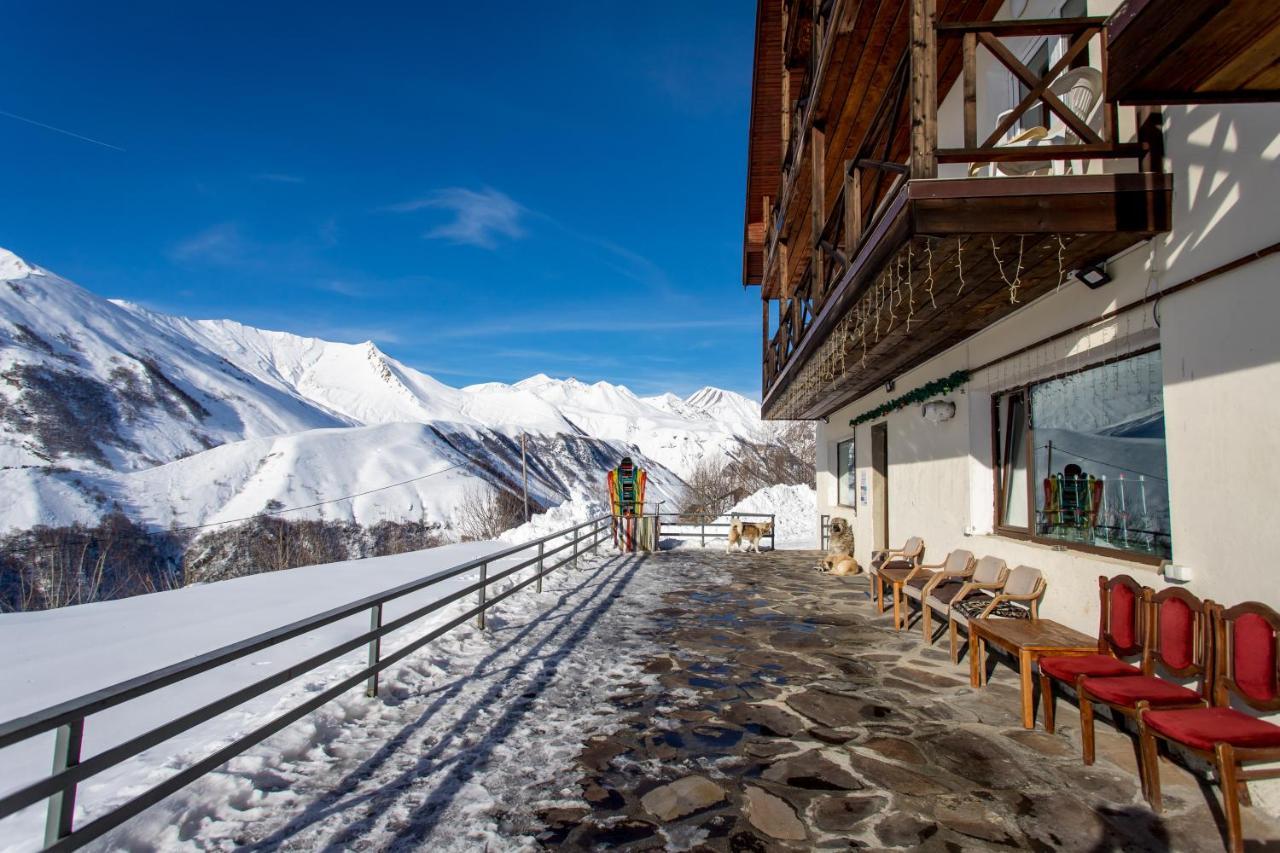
1221	361
1220	352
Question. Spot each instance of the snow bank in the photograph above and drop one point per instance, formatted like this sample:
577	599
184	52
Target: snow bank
56	655
796	511
568	514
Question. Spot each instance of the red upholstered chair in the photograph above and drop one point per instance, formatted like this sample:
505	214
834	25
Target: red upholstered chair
1245	670
1122	611
1179	643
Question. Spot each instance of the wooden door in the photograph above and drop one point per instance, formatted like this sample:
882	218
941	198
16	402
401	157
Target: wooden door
880	485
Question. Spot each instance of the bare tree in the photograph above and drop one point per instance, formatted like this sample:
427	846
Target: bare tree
486	512
709	488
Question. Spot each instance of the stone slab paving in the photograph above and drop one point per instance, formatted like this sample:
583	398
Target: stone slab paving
789	715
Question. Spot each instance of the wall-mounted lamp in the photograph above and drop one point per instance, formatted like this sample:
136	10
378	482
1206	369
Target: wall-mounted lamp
1094	276
937	411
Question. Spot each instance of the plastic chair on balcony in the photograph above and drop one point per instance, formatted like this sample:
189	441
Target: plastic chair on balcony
1178	645
1122	606
956	568
1245	660
1080	90
893	563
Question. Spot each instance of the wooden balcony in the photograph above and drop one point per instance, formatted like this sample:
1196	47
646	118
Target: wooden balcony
1194	51
897	264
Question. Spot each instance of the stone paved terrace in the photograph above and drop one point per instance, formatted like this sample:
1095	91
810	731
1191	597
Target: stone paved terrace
798	719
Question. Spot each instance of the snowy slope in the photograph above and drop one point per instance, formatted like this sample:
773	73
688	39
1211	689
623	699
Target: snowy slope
191	421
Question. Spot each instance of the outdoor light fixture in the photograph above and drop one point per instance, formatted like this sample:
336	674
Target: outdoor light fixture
889	386
937	411
1094	276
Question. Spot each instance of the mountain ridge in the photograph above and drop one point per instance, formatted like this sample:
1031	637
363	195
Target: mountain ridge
106	403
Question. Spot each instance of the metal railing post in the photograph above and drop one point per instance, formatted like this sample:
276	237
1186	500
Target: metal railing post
573	558
702	531
542	544
773	531
375	649
62	805
484	574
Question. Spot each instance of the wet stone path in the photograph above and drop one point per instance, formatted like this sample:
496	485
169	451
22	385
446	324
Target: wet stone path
788	715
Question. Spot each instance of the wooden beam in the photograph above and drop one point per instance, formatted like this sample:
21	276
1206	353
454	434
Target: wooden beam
852	208
1022	26
1151	139
1033	153
817	203
924	89
970	90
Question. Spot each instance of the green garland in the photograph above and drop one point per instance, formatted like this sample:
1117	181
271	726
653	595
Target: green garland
945	385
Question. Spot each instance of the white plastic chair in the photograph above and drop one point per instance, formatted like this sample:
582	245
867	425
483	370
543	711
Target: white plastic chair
1080	90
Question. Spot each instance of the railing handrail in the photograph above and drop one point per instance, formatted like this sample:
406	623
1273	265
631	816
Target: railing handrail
47	719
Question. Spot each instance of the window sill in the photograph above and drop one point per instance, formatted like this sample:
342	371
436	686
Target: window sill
1117	558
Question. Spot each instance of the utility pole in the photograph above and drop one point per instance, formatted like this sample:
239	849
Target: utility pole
524	475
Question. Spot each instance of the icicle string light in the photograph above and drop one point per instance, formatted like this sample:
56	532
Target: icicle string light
928	249
1017	272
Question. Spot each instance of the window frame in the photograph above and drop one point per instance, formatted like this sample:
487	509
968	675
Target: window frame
999	443
853	474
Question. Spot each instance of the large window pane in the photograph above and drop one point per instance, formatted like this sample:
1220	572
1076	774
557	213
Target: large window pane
1100	467
846	473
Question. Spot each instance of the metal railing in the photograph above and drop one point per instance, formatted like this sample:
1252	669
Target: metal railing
67	719
703	524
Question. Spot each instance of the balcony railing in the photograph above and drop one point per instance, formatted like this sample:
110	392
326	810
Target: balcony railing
900	146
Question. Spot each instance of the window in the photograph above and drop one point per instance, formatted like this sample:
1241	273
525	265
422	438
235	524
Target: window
1038	114
846	474
1093	443
1011	473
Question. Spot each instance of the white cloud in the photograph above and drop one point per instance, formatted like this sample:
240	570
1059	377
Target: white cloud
480	218
220	244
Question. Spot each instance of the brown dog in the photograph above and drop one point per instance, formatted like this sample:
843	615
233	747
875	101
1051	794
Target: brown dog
748	532
839	559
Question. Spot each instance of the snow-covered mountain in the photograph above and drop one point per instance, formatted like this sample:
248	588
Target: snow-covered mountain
181	421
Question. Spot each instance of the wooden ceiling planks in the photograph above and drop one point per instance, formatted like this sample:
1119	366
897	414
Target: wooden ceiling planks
764	145
1194	51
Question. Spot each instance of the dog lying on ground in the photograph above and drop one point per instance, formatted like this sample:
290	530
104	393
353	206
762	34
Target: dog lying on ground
839	559
748	532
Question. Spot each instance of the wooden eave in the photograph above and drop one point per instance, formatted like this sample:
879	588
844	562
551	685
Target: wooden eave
764	145
1194	51
854	74
1054	224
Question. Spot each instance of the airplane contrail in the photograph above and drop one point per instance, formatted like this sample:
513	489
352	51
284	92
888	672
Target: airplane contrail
60	130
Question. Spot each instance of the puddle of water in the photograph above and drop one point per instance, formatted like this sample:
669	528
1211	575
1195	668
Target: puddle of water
716	737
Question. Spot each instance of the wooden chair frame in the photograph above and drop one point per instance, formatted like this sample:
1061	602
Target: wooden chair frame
970	588
1227	760
1107	643
889	556
936	573
1202	645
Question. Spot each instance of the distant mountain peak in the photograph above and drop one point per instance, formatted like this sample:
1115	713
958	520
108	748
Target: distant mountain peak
13	267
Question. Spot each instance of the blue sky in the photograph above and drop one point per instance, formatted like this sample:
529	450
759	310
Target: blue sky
488	190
